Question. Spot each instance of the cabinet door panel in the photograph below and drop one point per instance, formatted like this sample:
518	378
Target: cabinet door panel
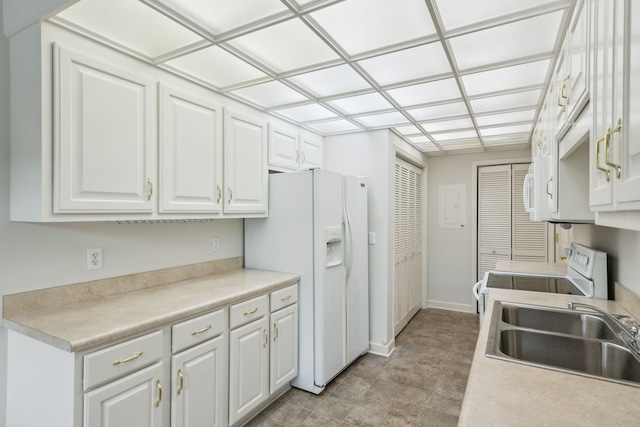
578	55
245	152
248	368
628	187
284	347
105	139
199	385
190	153
283	149
130	401
311	149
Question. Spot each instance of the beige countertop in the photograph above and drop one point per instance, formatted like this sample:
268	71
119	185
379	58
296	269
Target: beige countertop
81	325
502	393
530	267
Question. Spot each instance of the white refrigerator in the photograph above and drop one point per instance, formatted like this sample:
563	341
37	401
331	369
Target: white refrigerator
317	228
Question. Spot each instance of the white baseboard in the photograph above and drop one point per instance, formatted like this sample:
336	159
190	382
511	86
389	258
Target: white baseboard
465	308
382	349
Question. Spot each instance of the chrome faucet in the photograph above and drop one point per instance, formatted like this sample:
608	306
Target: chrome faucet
628	334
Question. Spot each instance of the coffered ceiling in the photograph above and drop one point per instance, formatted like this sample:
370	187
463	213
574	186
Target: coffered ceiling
448	76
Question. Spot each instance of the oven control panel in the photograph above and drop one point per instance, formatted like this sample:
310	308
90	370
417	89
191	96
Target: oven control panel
591	264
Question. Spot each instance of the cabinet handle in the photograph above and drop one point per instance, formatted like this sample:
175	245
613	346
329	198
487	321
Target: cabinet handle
159	387
275	331
199	331
129	359
246	313
607	157
547	187
561	94
150	184
230	194
285	298
181	383
297	156
607	172
219	194
266	338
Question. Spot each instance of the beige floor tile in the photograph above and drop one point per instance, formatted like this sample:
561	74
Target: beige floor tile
362	416
433	418
335	408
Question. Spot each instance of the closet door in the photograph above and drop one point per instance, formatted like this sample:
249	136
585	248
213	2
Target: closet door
494	216
407	277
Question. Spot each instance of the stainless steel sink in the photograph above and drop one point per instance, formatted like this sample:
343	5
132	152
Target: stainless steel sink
561	321
579	343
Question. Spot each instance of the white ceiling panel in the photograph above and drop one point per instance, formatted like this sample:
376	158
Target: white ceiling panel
448	136
505	130
507	42
380	120
439	111
204	65
119	21
337	66
306	113
463	13
506	118
361	104
507	78
408	130
333	126
366	25
426	93
331	81
219	16
417	63
284	47
270	94
444	125
514	100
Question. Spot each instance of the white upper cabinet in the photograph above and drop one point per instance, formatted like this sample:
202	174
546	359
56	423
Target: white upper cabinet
104	143
190	153
615	149
245	172
290	151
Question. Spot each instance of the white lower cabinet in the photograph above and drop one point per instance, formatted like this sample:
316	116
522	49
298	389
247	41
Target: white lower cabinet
134	400
263	353
199	385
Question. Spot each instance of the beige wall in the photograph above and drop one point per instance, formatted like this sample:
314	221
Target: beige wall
450	251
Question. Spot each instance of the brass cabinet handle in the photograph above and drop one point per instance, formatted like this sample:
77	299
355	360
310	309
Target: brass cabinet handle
266	338
181	384
607	172
547	187
246	313
230	194
561	94
275	331
563	257
159	387
219	194
128	359
150	185
199	331
285	298
607	157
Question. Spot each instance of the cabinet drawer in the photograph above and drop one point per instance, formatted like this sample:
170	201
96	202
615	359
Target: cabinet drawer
247	311
118	360
195	331
284	297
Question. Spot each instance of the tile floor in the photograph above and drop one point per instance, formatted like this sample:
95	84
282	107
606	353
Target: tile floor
421	384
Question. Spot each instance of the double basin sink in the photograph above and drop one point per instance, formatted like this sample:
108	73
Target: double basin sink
578	342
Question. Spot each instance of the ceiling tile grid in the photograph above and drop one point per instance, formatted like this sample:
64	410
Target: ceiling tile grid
442	80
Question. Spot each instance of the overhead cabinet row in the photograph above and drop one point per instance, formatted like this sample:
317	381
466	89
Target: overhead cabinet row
114	138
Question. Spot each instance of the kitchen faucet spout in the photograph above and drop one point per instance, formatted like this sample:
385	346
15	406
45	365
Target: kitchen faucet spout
628	334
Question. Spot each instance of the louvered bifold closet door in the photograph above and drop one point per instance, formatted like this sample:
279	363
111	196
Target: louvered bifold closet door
494	216
407	277
529	239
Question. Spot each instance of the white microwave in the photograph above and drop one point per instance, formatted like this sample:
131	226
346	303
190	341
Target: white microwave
534	191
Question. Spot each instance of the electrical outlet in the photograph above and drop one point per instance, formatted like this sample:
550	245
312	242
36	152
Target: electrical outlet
94	259
215	245
372	238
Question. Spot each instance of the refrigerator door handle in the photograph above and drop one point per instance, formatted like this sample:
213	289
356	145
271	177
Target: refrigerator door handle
348	245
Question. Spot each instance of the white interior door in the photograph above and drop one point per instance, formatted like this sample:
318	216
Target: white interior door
407	275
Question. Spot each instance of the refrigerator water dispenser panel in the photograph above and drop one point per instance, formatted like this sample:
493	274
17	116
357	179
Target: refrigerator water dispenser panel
333	238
